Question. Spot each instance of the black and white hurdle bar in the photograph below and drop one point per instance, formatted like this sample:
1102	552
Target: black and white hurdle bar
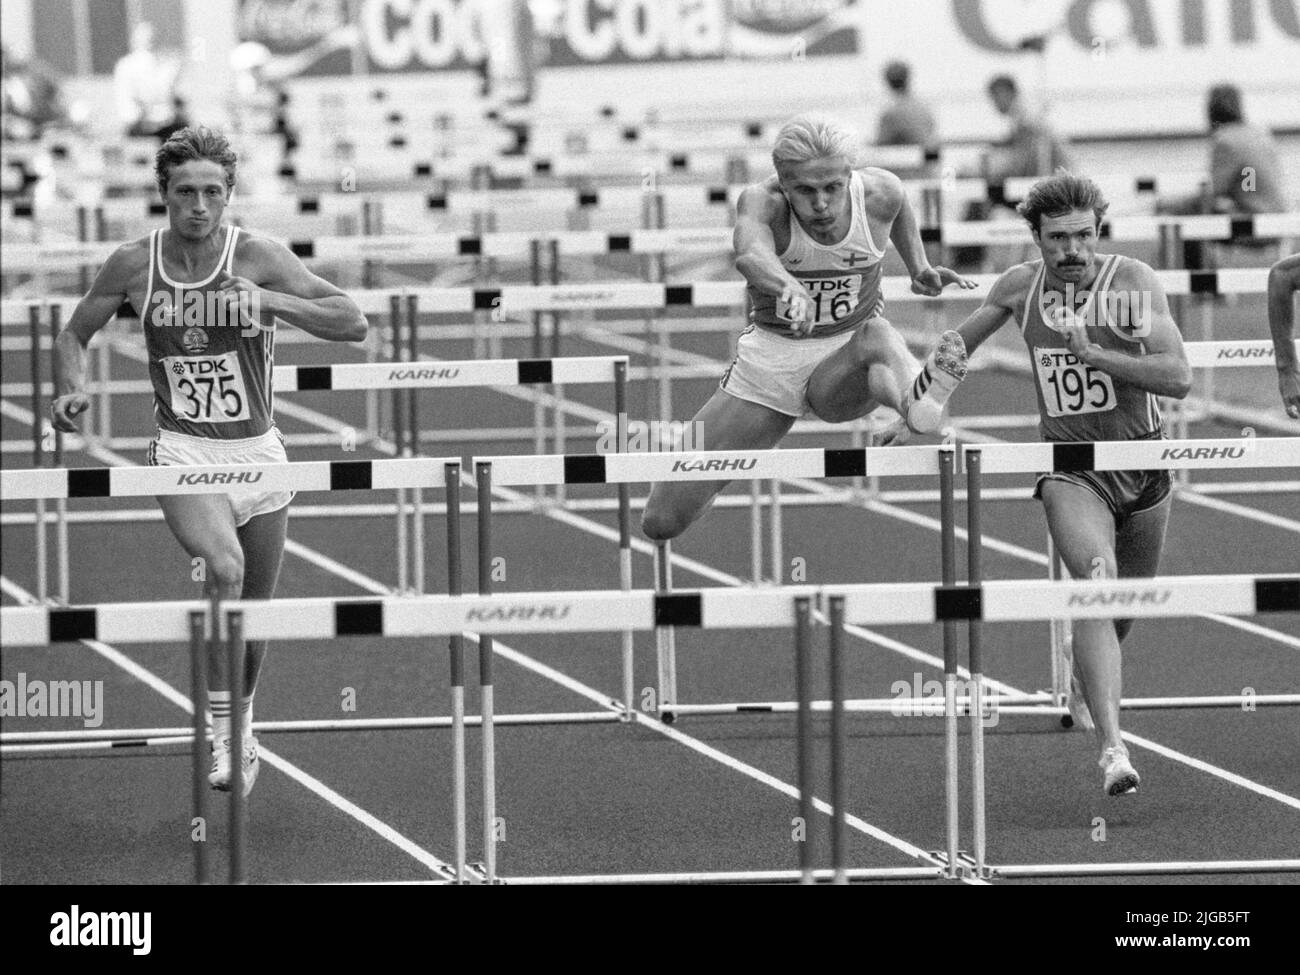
513	299
747	465
589	612
1243	453
396	376
664	240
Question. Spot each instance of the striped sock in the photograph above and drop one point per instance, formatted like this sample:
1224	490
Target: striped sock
219	708
246	712
942	373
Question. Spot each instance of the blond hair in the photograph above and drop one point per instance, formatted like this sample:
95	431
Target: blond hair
808	137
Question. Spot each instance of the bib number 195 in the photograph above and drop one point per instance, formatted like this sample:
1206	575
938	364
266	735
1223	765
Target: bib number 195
1069	387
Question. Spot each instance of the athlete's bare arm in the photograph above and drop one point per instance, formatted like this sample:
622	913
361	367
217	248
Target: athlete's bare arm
999	307
1163	369
111	287
285	289
888	201
1283	283
758	210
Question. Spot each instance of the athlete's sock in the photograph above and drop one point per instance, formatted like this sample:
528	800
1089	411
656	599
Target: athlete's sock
219	707
246	715
942	373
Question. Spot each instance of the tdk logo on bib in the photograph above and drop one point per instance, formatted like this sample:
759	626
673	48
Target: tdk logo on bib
202	367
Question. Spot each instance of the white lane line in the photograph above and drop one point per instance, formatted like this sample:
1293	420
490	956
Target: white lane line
590	693
1256	629
310	782
577	521
599	530
1191	496
595	528
1204	766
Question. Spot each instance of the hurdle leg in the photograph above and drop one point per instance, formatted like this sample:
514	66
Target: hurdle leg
839	781
60	504
372	344
776	532
198	777
38	444
457	649
105	428
948	558
756	532
803	680
238	804
624	544
483	474
974	572
665	640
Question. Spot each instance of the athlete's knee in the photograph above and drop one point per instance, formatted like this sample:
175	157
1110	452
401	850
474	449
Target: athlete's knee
871	342
660	523
225	572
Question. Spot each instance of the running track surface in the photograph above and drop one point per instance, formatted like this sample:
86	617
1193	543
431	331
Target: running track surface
705	794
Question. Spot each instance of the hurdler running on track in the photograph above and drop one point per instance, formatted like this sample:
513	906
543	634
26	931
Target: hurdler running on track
1102	348
209	296
810	241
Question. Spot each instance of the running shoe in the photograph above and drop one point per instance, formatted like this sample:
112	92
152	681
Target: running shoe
1121	778
219	777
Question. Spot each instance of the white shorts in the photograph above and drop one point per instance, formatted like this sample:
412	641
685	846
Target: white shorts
170	448
774	371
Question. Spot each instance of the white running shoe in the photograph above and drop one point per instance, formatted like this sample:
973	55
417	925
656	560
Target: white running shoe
1121	778
219	777
942	373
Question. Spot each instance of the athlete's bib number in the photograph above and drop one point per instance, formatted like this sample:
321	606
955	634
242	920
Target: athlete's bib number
1069	386
207	389
833	298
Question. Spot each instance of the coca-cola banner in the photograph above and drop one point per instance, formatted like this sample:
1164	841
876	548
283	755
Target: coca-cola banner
318	36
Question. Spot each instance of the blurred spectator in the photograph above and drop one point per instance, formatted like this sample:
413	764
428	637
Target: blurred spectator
31	96
260	102
907	121
1245	174
1030	148
145	85
1245	170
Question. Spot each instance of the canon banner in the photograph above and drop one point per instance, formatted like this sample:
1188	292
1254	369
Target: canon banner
424	35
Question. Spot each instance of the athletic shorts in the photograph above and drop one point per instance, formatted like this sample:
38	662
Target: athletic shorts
1125	493
170	448
774	371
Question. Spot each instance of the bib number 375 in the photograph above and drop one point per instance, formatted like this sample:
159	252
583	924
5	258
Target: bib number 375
207	389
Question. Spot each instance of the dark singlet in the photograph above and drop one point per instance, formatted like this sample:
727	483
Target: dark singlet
1077	402
211	370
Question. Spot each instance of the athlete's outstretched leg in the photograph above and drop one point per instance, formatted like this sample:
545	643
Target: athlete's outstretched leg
872	369
1138	543
262	541
724	423
1083	529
